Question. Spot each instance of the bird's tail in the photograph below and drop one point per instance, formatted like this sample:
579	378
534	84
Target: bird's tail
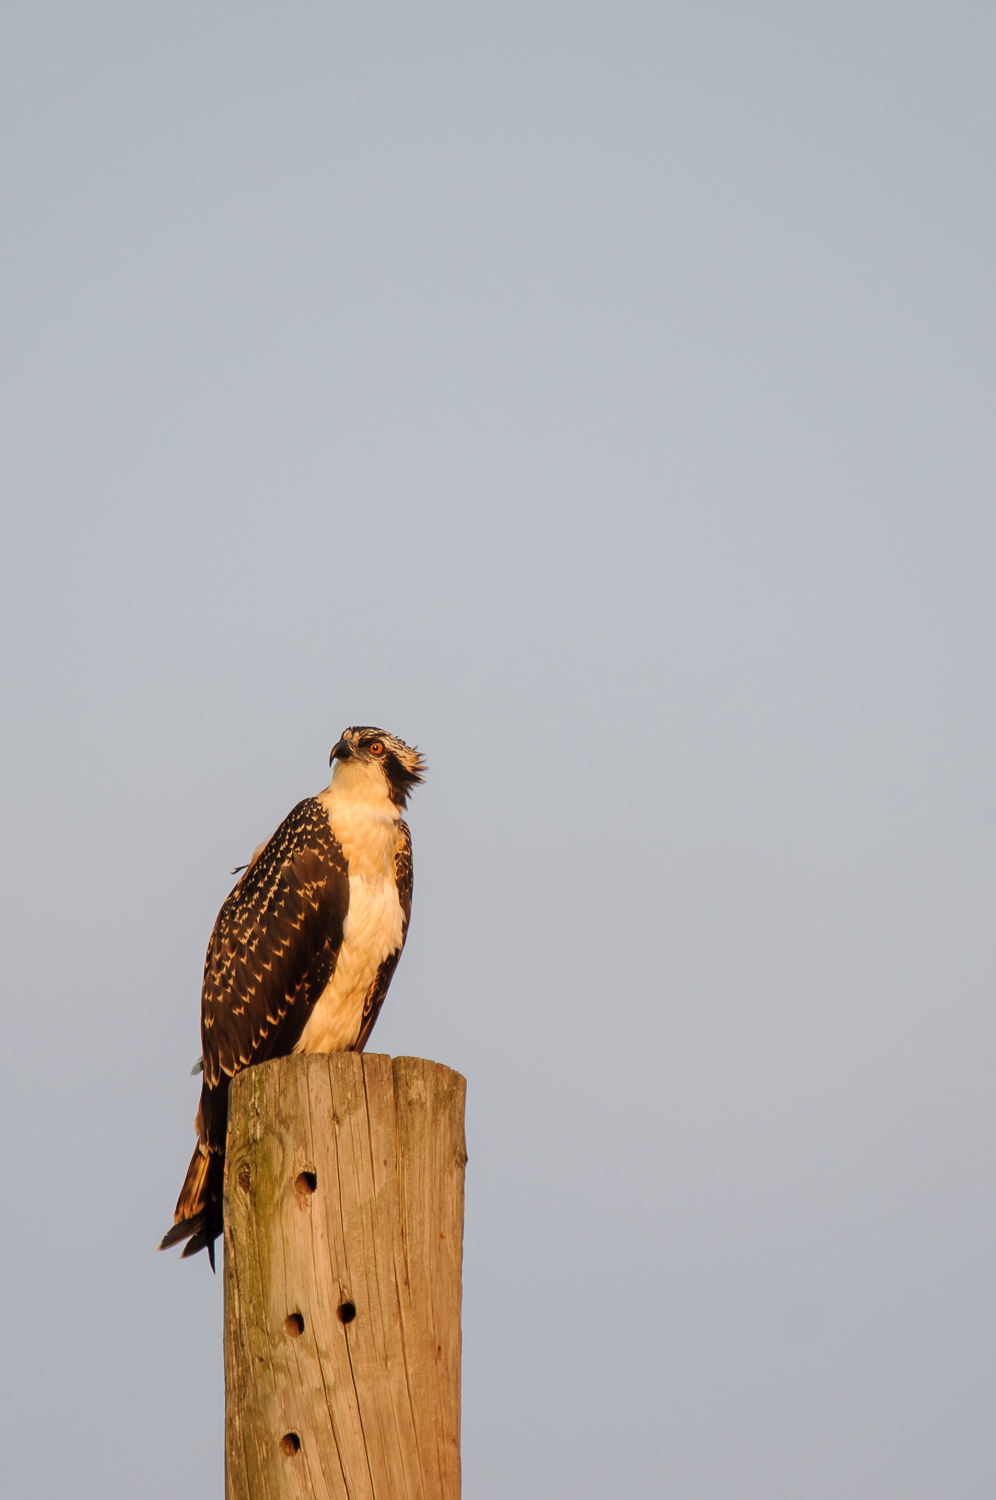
198	1217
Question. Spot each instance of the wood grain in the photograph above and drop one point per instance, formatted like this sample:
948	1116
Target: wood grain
343	1251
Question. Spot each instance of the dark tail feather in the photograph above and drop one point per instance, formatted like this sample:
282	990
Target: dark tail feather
198	1210
202	1240
182	1231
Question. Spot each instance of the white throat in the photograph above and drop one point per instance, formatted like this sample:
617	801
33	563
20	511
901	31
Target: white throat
362	816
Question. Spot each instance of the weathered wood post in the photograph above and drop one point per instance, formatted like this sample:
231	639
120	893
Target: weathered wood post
343	1251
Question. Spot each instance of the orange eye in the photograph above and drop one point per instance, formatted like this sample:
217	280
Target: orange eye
377	748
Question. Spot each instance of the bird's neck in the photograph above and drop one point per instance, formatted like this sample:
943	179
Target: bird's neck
362	816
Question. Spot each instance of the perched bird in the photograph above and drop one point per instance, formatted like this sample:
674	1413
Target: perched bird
305	947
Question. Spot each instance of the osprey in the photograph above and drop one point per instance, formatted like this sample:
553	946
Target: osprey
305	947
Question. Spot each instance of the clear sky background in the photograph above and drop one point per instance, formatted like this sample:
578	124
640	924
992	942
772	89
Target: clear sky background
600	397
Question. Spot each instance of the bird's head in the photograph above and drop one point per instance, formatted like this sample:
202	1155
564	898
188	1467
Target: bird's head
364	751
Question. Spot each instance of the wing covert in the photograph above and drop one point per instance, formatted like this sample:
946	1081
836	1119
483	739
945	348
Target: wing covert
274	945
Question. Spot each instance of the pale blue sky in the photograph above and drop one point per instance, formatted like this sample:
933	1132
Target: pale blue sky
602	398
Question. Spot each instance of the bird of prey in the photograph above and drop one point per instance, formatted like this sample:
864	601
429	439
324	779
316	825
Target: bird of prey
305	947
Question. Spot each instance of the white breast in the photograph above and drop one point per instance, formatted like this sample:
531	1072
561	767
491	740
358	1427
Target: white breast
365	822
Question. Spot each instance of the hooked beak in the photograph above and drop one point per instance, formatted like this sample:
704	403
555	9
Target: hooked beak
342	750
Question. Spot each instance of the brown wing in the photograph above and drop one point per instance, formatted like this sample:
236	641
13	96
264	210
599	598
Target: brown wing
272	952
384	975
274	945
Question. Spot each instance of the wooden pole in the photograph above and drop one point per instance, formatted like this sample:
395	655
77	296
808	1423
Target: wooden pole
343	1250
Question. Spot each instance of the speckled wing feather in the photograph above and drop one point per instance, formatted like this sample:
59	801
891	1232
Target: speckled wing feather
271	954
384	975
274	945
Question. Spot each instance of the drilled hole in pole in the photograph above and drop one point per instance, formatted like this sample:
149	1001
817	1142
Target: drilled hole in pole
346	1312
294	1325
306	1184
290	1444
